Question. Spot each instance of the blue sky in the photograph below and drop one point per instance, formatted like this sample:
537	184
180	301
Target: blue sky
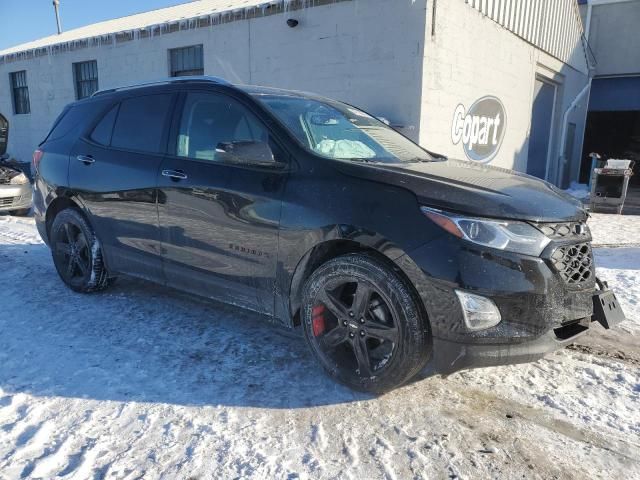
25	20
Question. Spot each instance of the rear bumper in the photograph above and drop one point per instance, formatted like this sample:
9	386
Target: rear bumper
15	197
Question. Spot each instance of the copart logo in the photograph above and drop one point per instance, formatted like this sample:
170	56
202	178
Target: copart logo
480	129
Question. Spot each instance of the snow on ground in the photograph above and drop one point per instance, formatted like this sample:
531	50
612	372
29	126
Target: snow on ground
624	230
141	381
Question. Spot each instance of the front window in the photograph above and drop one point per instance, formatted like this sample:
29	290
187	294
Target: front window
211	121
339	131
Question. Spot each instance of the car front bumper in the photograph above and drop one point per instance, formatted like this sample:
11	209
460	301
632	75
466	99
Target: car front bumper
15	197
540	312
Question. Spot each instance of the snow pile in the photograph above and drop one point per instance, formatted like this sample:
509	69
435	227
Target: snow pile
141	381
579	190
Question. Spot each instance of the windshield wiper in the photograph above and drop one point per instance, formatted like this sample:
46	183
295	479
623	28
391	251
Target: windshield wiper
436	156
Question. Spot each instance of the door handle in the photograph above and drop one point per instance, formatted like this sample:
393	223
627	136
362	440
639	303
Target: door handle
86	159
174	174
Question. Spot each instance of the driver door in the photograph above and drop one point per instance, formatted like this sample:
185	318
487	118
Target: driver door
219	220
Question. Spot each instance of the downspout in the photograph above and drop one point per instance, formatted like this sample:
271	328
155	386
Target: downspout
574	104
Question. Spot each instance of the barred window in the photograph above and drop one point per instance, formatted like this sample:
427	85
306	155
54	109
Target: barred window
20	91
186	61
86	75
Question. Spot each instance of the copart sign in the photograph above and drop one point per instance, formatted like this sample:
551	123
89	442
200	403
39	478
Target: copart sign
480	128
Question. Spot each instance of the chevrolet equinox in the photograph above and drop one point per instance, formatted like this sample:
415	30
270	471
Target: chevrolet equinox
318	215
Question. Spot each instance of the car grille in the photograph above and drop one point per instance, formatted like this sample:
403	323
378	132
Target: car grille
564	230
7	201
574	263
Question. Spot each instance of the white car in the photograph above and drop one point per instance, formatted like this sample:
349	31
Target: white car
15	189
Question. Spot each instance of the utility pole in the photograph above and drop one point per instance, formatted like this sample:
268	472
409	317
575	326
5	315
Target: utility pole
56	4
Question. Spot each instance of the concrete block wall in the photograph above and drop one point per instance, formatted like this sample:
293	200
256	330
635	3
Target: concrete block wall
366	53
615	39
470	57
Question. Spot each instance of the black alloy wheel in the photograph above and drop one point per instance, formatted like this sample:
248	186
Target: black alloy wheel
363	324
76	252
72	253
354	326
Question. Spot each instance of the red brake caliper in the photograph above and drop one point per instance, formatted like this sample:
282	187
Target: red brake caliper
317	320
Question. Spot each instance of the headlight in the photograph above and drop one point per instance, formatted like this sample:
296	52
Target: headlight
19	179
511	236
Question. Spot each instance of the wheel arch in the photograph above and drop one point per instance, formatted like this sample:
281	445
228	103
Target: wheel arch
332	248
56	206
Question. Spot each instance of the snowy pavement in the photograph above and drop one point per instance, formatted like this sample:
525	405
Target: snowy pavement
141	381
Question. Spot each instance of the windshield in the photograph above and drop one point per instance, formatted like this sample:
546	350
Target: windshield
339	131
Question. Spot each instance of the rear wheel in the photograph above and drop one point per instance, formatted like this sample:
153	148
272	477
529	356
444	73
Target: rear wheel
77	254
364	324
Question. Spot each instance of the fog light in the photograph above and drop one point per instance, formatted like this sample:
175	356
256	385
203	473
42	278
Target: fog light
479	312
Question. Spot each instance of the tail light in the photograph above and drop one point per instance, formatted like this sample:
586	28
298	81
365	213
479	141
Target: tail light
37	156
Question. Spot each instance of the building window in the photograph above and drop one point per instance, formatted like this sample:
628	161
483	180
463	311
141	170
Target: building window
186	61
20	92
86	75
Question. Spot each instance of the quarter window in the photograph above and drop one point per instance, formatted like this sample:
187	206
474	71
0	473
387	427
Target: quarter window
209	120
186	61
140	123
73	120
20	92
86	77
104	129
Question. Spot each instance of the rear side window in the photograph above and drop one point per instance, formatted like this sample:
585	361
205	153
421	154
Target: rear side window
102	132
140	123
72	121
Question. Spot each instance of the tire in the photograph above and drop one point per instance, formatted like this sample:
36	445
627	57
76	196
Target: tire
23	212
77	254
364	324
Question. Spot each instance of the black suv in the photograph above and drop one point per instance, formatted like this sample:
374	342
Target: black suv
317	214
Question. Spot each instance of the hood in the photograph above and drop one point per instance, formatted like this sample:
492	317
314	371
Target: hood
476	189
8	170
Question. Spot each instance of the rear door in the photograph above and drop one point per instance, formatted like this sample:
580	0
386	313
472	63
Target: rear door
220	221
114	169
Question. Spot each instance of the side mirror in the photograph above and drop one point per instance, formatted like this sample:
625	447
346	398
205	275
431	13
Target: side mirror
252	153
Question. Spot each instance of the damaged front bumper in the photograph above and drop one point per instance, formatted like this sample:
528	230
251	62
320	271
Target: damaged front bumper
540	310
452	356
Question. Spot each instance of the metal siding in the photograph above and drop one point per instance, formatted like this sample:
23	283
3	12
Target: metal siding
554	27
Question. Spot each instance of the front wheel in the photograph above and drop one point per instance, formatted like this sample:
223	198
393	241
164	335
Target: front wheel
77	254
364	324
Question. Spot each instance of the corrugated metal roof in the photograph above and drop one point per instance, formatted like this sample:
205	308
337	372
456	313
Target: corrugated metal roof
178	13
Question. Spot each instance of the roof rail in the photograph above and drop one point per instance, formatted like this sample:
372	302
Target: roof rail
167	81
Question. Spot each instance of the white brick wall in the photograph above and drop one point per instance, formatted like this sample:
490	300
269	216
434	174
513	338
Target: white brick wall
470	57
366	54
